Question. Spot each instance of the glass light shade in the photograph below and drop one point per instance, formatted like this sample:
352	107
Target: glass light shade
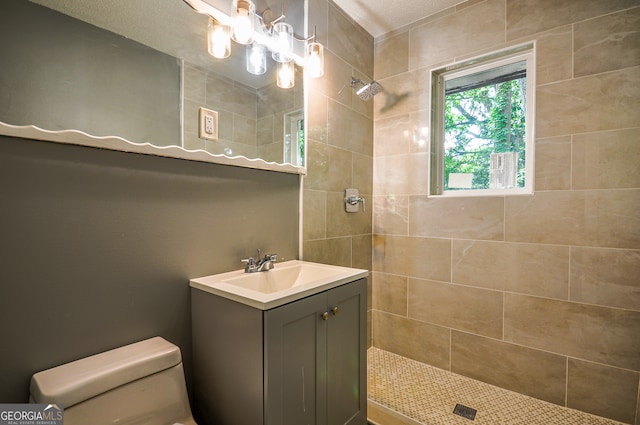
242	16
285	75
218	41
256	59
282	42
314	63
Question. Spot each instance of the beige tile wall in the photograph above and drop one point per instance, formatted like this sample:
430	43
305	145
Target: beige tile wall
273	103
340	144
251	121
236	107
539	294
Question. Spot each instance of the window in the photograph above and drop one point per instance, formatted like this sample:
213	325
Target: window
294	137
482	125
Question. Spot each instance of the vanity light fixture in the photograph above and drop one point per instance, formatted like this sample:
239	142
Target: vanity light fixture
285	76
218	39
283	42
256	59
314	59
242	17
277	36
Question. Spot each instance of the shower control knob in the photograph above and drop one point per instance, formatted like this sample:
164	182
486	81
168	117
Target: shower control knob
352	200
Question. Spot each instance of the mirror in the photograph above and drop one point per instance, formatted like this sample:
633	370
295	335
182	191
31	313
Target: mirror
256	119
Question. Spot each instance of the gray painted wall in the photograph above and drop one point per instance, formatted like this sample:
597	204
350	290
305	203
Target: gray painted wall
98	246
60	73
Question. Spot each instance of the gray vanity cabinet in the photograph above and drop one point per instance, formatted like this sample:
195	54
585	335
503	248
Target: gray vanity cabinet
315	358
297	364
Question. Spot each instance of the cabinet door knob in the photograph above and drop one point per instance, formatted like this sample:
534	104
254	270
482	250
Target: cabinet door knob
325	315
335	311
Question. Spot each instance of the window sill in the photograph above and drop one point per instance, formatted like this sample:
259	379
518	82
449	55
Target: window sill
483	193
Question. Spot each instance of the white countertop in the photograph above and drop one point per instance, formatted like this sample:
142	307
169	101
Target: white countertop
301	279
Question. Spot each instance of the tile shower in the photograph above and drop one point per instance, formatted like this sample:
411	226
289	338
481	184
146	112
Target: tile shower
536	294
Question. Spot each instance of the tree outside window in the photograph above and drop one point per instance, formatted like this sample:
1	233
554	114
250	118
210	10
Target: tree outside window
481	136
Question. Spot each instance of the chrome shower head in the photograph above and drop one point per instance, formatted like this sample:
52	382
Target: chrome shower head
367	91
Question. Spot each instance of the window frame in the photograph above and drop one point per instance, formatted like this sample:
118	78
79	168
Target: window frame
438	78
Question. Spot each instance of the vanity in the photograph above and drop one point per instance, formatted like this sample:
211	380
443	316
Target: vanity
283	347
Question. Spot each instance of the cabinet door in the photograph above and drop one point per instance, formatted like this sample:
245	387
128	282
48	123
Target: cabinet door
346	362
295	337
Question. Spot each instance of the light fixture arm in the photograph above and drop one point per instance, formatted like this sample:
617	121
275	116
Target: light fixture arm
205	8
263	34
355	81
268	27
311	38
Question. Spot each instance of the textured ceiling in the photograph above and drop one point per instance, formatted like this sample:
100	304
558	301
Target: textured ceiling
379	17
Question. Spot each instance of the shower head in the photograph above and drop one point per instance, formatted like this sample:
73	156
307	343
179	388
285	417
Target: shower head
367	91
370	90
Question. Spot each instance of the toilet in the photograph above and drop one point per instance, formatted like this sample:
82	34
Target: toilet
141	383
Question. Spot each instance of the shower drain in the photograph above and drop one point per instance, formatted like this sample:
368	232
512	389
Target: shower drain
464	411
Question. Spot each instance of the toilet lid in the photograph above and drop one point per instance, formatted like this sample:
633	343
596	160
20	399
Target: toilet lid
80	380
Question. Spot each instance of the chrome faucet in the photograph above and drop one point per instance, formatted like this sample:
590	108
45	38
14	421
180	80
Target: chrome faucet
261	264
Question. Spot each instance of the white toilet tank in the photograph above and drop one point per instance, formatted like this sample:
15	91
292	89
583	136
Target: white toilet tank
141	383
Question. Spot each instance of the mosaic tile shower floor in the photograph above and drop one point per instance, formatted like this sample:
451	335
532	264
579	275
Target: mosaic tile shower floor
406	392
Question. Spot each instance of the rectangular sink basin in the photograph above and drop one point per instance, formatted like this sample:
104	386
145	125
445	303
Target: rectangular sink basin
286	282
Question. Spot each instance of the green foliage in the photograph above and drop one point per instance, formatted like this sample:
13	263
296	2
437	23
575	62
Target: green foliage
482	121
300	142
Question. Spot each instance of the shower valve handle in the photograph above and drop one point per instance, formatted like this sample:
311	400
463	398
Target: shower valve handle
354	200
